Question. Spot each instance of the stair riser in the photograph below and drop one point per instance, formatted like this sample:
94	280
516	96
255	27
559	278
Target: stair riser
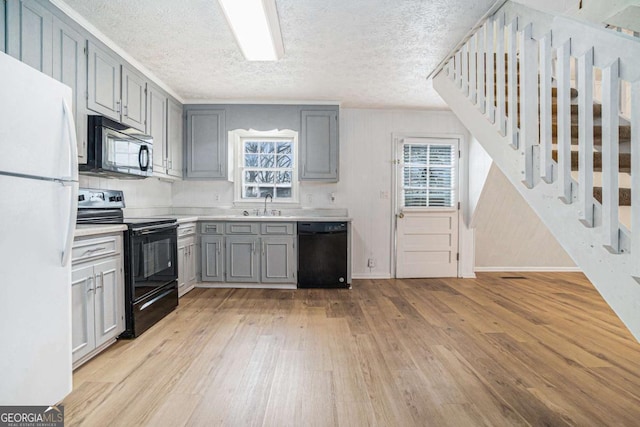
624	161
624	196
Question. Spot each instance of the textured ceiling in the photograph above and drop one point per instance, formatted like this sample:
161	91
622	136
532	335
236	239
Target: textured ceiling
363	53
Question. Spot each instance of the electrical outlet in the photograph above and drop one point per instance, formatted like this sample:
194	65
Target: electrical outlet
309	198
371	263
216	197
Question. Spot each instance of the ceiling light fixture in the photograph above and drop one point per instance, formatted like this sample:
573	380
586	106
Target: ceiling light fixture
256	28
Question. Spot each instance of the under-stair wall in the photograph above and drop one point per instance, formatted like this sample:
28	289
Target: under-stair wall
573	157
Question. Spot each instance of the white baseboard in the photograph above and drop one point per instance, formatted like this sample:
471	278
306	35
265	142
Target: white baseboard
371	276
216	285
527	269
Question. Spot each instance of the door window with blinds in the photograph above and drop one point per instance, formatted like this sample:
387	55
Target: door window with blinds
428	174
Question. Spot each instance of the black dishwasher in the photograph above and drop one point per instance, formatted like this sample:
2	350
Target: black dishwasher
322	255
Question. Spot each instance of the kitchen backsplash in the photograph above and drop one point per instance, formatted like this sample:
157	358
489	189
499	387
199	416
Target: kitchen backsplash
143	197
216	194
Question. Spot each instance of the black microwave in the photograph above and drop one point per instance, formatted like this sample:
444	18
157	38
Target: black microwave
114	149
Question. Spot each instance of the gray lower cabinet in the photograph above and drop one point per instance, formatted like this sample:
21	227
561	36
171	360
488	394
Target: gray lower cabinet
206	144
249	252
97	295
103	82
278	264
319	145
29	34
212	250
241	255
70	68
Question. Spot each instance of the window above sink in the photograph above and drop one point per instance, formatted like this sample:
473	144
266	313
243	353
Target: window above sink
264	163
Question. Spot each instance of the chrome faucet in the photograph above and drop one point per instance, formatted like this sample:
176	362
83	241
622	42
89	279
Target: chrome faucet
265	202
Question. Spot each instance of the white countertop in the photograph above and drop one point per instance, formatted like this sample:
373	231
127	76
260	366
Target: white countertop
311	216
252	218
95	229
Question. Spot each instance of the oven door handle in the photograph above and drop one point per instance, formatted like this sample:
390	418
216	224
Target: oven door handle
159	297
153	229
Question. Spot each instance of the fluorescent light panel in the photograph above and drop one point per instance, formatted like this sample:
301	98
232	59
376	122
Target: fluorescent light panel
256	28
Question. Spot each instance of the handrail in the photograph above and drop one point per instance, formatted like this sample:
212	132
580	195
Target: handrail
488	14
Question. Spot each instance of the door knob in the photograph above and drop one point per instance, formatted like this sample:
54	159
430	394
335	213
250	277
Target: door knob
401	215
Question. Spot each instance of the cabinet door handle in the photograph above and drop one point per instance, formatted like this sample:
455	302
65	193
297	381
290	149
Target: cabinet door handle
263	250
125	110
90	251
101	282
118	107
89	282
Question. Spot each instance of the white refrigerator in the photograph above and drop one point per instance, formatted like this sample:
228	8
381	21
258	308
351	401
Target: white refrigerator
38	204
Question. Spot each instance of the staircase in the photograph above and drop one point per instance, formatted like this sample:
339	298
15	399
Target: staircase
556	104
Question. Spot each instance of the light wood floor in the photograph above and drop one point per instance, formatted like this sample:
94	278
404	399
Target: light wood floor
540	350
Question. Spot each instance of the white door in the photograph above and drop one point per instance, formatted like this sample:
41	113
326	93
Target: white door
427	208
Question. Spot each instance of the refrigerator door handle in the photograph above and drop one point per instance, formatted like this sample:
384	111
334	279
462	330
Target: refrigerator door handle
72	181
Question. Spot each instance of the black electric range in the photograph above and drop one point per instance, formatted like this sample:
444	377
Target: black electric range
150	258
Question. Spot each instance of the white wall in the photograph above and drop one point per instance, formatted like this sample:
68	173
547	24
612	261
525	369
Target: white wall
509	235
366	150
479	166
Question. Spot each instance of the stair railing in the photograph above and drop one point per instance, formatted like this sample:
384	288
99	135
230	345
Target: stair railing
509	70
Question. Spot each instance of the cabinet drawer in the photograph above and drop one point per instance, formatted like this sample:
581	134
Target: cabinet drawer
277	228
94	248
186	229
242	228
212	228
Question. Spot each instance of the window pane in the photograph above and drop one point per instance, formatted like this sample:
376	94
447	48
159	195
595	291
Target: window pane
441	155
251	160
415	177
250	176
439	198
266	190
284	161
283	193
415	198
266	161
250	192
250	147
267	147
284	148
283	178
440	178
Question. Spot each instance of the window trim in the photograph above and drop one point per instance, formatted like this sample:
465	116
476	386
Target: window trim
431	140
236	168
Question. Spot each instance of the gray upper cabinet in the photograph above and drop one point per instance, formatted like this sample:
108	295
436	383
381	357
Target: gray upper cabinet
174	139
157	127
3	6
134	99
319	145
103	82
29	34
70	68
206	144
